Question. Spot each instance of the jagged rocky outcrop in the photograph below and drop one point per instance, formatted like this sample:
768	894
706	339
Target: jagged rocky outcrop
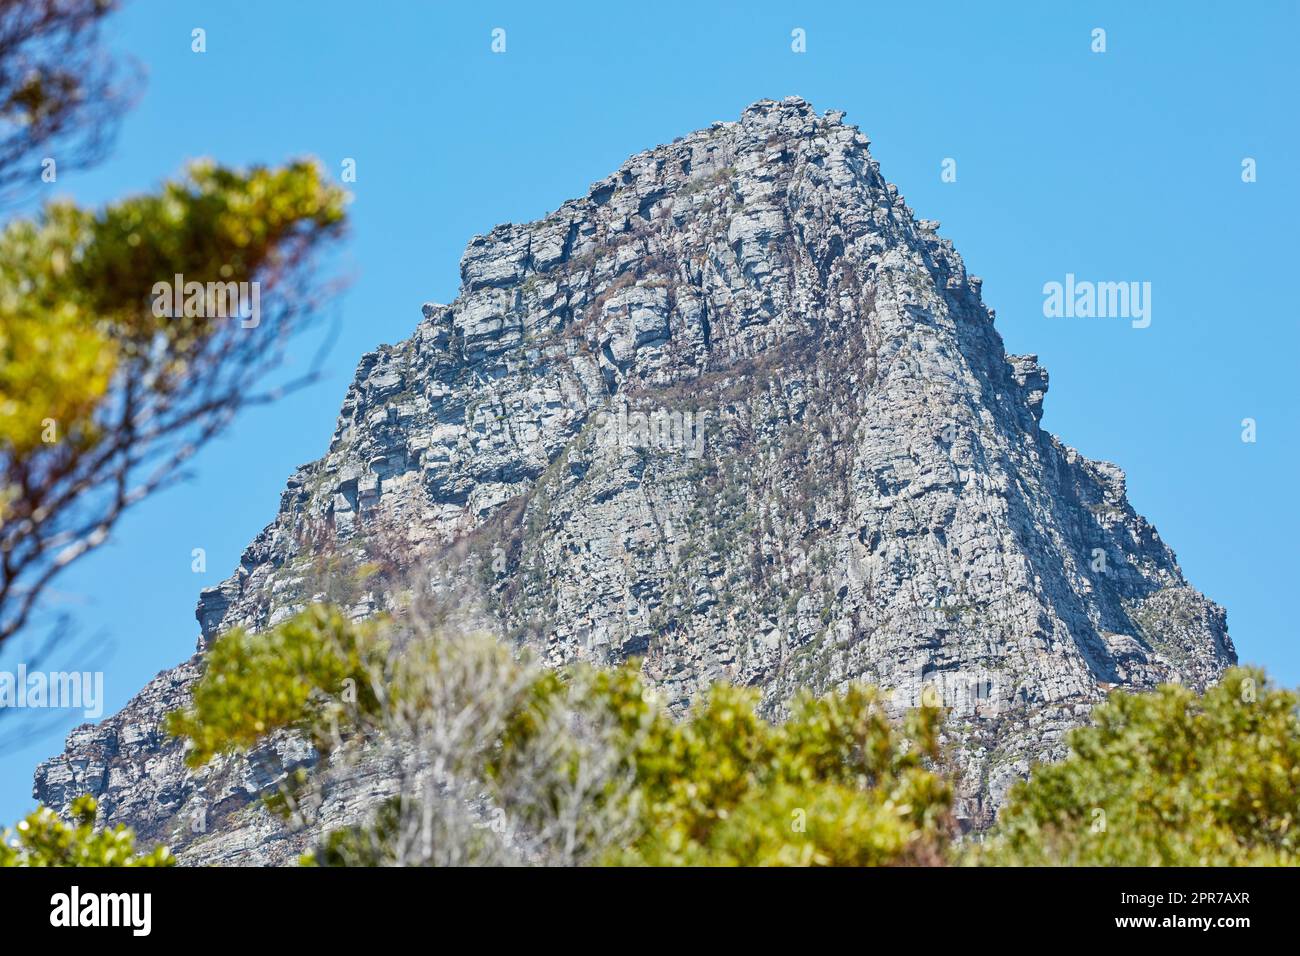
736	412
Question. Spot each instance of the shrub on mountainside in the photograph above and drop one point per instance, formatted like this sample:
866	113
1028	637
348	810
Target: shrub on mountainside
499	760
496	760
1166	778
42	839
836	784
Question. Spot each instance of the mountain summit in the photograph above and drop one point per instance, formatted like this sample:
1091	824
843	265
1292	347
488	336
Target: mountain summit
735	412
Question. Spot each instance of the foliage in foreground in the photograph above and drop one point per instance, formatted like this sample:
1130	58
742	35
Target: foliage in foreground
105	392
1167	778
497	760
42	839
256	684
579	766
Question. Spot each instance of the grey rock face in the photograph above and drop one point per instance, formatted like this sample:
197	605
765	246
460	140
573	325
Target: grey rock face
738	413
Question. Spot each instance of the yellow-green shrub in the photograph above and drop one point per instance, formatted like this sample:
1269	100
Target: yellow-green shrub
42	839
1167	778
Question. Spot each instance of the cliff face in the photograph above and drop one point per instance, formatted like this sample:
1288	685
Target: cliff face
735	412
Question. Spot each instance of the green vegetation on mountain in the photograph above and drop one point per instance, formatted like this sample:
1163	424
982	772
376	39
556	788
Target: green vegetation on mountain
42	839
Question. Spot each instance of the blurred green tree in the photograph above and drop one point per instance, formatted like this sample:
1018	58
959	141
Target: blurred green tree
61	95
109	382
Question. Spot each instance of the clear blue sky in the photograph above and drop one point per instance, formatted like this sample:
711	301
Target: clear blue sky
1123	165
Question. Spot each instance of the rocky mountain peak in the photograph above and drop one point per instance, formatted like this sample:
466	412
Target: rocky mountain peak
735	412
